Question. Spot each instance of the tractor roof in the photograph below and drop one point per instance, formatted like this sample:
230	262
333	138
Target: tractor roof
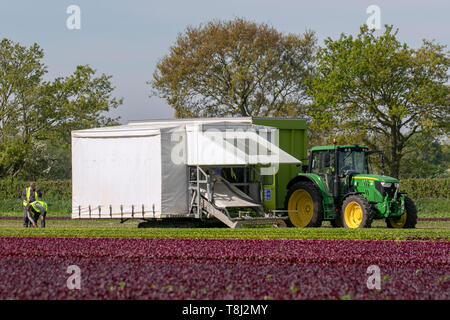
331	147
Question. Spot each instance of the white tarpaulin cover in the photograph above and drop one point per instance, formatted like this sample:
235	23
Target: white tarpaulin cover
141	170
231	144
118	173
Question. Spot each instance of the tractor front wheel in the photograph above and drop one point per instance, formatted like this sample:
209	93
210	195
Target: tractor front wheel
356	212
407	220
304	201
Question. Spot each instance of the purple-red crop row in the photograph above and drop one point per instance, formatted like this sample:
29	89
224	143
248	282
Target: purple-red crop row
222	268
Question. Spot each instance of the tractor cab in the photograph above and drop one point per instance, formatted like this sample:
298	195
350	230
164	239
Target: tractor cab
338	185
338	166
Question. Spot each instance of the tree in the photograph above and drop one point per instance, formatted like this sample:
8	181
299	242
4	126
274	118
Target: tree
48	160
429	157
235	68
78	101
382	88
33	111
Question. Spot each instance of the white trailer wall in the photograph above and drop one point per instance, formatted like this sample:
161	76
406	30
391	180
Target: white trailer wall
118	173
174	172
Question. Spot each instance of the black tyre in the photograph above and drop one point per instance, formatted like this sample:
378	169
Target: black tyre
306	200
356	212
408	220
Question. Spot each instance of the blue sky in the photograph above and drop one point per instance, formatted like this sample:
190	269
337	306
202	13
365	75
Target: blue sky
125	39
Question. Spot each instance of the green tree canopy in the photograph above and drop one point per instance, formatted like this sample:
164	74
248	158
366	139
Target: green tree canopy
235	68
33	110
380	89
425	156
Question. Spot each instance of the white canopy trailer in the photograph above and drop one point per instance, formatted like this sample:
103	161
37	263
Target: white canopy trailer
171	169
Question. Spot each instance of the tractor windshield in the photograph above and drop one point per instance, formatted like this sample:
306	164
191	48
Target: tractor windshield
353	160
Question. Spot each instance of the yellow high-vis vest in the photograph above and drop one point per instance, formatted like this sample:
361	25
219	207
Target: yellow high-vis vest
28	192
42	203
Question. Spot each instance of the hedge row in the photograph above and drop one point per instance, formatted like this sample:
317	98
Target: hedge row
62	189
426	188
51	189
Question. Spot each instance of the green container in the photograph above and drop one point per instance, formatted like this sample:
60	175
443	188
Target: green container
293	140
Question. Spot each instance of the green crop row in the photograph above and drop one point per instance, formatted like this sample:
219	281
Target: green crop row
114	229
62	189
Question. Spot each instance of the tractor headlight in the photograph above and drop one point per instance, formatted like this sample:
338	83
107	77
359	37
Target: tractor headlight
386	184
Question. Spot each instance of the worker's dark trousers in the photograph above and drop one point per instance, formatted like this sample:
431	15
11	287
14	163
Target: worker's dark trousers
43	220
26	221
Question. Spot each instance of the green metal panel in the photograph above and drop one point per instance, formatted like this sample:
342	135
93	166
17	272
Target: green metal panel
293	140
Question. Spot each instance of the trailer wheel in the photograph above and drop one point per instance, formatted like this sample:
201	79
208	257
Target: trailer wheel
306	200
356	212
407	220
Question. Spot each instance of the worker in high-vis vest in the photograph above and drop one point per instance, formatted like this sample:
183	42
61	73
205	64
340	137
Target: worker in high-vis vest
37	210
29	195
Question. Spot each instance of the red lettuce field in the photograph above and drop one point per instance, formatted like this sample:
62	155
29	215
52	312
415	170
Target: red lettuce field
35	268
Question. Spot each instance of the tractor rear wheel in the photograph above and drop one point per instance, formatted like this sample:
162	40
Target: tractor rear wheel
306	200
407	220
356	212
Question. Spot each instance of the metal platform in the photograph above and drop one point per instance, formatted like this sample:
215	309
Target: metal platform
212	195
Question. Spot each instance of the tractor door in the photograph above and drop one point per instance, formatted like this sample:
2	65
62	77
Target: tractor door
322	165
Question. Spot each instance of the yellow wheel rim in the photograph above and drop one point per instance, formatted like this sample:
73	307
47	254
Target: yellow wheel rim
353	215
399	222
302	203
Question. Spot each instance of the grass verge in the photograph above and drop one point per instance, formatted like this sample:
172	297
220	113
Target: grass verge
433	208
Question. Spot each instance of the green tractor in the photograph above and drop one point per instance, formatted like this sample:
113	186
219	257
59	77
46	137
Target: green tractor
337	186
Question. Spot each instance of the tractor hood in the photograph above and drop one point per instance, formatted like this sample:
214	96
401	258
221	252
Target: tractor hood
374	177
